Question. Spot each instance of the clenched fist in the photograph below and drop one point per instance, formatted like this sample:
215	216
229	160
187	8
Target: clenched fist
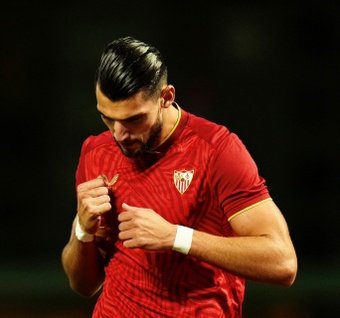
144	228
93	201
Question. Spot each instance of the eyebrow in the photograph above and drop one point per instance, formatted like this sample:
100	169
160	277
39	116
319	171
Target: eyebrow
128	119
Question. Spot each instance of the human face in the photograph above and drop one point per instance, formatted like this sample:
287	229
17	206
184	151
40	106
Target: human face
136	122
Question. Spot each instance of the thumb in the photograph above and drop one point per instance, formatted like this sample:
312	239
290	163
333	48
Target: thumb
125	206
104	177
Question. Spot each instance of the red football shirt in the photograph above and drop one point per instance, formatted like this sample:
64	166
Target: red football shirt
202	176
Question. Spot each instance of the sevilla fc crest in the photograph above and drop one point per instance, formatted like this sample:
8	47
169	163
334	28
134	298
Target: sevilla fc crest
182	179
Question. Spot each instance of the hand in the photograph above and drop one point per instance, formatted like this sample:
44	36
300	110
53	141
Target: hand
145	228
93	201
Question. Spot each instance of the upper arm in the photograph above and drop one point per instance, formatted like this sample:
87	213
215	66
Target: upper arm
263	219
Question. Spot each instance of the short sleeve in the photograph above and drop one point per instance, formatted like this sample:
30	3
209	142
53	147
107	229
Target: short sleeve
235	177
81	168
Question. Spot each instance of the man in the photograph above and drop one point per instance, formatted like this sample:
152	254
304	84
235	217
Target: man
172	214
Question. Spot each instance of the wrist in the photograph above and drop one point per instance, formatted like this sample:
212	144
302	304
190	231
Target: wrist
183	239
82	235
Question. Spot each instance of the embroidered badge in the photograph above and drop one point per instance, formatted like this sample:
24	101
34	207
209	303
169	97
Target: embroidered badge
182	179
110	184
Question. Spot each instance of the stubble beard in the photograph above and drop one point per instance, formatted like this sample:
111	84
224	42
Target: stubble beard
149	146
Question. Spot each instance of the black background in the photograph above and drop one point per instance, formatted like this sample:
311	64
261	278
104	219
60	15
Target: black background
269	72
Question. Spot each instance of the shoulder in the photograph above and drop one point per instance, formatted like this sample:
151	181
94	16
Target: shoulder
215	135
95	141
225	146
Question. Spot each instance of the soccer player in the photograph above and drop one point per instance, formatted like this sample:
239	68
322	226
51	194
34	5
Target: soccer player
172	213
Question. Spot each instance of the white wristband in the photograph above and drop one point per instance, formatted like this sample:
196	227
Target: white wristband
81	234
183	239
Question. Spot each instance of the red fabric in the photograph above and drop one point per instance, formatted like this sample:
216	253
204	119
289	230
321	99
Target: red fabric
225	180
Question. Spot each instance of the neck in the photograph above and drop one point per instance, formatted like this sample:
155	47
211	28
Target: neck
171	117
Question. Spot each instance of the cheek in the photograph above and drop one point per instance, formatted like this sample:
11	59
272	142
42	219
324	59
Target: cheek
142	129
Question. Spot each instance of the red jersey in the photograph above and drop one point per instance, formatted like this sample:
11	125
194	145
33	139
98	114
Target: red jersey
202	176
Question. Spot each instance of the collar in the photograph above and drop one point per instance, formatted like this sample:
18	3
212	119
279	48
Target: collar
176	130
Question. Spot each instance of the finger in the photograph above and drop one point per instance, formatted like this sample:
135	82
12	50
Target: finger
130	243
125	235
126	225
94	208
125	216
125	206
100	199
101	209
104	178
134	209
91	184
97	192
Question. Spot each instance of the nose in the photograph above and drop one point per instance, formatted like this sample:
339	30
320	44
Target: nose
121	133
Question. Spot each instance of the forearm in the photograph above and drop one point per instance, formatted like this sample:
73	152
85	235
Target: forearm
83	266
260	258
262	249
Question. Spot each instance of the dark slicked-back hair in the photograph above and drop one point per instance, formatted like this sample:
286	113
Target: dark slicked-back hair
128	66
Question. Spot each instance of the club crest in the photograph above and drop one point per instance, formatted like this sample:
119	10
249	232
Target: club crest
182	179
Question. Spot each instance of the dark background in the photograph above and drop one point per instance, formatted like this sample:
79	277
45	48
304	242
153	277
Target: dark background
270	72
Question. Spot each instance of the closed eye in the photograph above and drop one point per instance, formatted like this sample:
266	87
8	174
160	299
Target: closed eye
133	119
106	119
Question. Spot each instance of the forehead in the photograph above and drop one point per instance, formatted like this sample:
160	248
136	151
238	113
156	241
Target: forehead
123	109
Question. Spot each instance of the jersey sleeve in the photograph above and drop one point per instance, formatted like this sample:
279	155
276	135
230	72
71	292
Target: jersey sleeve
235	177
81	167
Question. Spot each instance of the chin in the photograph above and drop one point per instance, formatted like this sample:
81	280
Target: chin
131	153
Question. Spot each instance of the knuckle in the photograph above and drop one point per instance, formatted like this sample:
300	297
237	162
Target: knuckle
103	208
134	223
141	241
138	214
80	187
101	191
80	194
86	205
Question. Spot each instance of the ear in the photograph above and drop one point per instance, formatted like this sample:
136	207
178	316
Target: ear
168	95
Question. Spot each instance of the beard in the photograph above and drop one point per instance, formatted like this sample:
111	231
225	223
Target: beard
144	147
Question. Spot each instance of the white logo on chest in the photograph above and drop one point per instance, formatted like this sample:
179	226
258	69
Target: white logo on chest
182	179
